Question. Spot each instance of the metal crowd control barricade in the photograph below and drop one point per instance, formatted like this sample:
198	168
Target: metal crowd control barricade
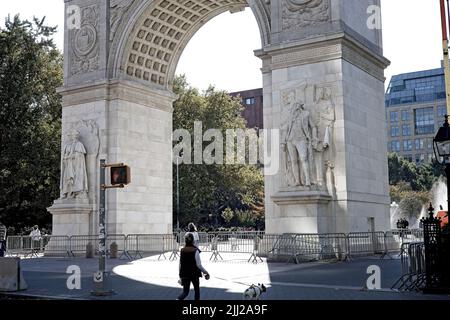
267	244
285	246
132	246
204	241
56	245
413	267
417	235
14	246
147	244
365	243
31	247
214	240
391	245
79	243
169	244
333	246
256	249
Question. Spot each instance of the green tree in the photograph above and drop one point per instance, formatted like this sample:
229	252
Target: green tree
227	215
30	113
207	190
420	177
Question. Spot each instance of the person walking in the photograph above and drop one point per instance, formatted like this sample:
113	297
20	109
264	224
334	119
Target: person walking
36	237
191	268
192	229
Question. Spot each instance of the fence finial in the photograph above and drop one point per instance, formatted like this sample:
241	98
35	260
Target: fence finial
431	211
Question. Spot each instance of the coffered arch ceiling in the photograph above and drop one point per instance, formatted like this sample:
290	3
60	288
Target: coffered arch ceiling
153	44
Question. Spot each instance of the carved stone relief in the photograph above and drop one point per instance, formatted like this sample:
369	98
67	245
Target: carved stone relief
307	130
85	49
302	13
118	10
87	141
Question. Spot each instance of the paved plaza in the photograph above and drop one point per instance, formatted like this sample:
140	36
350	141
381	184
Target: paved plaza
150	279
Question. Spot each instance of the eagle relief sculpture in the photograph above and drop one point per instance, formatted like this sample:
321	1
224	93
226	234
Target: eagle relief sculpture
301	13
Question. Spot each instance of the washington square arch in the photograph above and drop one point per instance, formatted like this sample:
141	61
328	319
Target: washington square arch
323	84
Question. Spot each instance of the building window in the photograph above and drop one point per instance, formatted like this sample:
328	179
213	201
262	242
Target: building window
395	131
421	157
394	116
442	111
395	146
408	157
407	145
430	143
424	120
406	115
406	130
420	144
250	101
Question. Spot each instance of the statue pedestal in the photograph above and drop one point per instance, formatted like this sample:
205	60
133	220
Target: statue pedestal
71	217
303	211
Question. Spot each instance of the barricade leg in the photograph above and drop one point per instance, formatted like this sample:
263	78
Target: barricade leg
216	255
174	255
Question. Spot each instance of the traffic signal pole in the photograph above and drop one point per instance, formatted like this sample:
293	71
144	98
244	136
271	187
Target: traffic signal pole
101	283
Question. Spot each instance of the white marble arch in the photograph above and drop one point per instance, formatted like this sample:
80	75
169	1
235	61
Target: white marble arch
119	67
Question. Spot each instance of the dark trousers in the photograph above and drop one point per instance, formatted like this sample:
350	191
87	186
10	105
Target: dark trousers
2	248
187	285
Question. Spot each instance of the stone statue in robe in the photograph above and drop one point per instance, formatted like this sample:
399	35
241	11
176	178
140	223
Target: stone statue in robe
324	119
74	181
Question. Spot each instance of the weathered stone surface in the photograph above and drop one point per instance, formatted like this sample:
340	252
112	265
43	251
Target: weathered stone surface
117	93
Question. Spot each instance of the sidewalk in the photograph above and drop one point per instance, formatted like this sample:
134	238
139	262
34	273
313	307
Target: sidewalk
150	279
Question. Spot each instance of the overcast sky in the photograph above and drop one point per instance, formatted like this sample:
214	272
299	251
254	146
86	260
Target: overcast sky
221	53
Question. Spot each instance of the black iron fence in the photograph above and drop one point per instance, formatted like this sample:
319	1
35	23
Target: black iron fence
437	254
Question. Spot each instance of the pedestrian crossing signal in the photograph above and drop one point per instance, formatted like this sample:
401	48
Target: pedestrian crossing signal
120	175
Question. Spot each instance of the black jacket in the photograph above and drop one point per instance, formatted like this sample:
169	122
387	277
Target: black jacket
188	265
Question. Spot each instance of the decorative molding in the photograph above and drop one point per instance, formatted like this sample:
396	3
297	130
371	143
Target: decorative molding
118	90
301	197
340	46
307	55
84	45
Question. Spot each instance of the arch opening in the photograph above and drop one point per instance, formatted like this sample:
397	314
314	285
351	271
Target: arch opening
162	30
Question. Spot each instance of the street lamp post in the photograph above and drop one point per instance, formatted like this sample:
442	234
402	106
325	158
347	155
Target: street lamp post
179	157
441	147
178	194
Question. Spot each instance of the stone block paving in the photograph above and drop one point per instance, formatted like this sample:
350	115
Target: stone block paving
150	279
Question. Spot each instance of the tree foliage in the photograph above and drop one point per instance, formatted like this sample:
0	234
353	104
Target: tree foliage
206	191
30	113
419	176
410	183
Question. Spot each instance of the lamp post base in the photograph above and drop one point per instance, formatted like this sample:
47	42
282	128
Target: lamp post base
101	287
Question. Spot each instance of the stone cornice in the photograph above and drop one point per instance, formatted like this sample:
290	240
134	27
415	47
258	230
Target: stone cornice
118	90
301	197
324	48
